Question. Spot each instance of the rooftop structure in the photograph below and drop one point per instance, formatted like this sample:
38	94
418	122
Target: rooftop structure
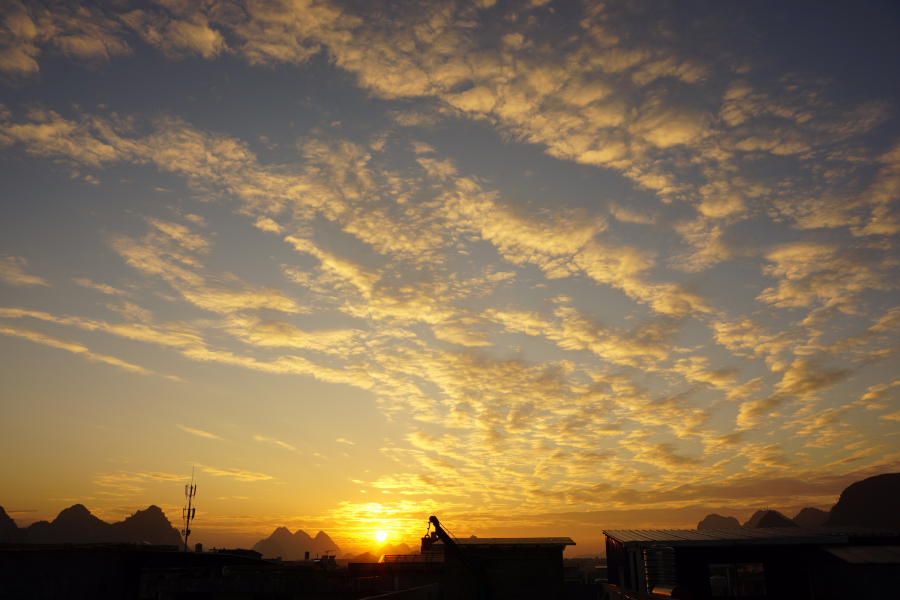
520	568
872	555
508	542
432	557
731	537
797	563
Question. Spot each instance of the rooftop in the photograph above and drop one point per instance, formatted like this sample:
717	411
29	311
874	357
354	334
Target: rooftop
748	536
412	558
538	541
868	554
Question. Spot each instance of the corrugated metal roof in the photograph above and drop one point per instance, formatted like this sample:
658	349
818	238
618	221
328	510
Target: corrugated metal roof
868	554
412	558
765	535
541	541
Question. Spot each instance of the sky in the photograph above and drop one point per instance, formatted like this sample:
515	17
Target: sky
538	268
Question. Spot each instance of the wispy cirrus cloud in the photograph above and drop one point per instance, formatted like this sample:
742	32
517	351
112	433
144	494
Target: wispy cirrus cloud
198	432
70	346
100	287
236	474
12	272
274	442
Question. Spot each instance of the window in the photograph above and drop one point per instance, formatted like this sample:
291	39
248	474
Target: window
737	579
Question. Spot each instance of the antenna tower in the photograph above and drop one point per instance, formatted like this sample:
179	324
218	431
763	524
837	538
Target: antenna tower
187	514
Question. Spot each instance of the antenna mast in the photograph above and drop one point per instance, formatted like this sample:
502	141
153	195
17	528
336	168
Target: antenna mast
187	514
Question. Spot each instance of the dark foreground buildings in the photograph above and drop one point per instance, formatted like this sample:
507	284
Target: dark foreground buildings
515	568
825	563
791	563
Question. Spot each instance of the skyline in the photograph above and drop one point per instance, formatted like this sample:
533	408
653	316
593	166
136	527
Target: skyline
544	268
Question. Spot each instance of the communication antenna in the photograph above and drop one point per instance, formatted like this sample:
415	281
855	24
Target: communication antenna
187	514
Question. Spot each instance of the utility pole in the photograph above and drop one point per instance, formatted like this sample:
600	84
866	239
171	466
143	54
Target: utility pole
187	514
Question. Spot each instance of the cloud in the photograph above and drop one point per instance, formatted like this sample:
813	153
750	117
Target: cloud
274	442
125	482
173	256
177	37
236	474
343	441
71	346
696	368
191	345
80	33
100	287
818	273
645	345
627	215
267	224
280	334
12	272
607	100
90	141
802	379
430	276
461	333
198	432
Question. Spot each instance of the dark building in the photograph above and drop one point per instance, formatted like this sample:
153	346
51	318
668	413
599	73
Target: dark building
520	568
95	571
796	563
399	572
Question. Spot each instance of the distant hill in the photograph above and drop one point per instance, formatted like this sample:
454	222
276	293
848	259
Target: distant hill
76	525
755	519
872	502
715	521
761	518
375	555
73	525
149	525
365	557
292	546
810	517
9	531
6	522
398	549
773	518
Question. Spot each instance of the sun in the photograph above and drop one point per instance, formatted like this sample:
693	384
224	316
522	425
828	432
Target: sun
380	536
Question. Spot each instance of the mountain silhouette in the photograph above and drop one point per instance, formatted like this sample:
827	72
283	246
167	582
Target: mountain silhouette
872	502
768	518
375	555
149	525
365	557
755	519
292	546
76	525
6	522
715	521
73	525
810	517
9	531
773	518
390	549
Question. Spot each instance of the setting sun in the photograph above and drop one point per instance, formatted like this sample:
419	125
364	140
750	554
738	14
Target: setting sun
380	536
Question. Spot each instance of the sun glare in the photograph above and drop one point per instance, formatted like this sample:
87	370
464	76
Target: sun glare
381	536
